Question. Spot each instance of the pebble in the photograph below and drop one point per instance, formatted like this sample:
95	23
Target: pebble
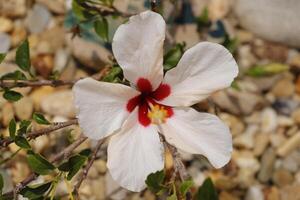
13	8
262	18
289	145
285	106
277	139
268	120
267	165
60	60
94	56
272	193
223	100
5	42
112	186
38	18
217	9
282	177
247	102
18	35
7	113
246	59
43	64
59	103
283	88
290	192
19	171
39	94
8	186
227	196
6	25
246	159
24	108
296	116
246	139
254	193
187	33
56	6
235	124
292	161
261	142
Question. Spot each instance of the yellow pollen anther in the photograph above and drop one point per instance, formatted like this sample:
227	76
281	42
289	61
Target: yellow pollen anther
157	114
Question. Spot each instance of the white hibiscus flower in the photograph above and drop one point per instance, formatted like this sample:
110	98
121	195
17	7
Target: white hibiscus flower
133	116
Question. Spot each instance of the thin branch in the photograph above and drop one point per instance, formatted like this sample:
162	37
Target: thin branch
53	83
25	83
34	134
153	5
87	167
62	155
178	164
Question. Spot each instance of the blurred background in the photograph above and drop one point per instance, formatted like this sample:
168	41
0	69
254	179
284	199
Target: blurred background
261	107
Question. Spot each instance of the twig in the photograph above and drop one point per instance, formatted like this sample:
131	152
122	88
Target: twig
87	168
53	83
178	164
62	155
34	134
21	83
153	5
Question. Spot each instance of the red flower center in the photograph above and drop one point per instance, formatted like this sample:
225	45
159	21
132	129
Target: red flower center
147	98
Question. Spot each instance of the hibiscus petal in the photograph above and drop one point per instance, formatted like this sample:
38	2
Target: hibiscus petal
202	70
101	106
138	47
199	133
134	153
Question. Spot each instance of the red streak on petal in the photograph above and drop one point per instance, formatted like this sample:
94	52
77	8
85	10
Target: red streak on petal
169	111
144	85
161	92
133	102
143	111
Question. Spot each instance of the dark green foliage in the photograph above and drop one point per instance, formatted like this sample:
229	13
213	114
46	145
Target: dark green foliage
155	181
40	119
39	164
207	191
12	96
23	56
172	57
73	165
35	191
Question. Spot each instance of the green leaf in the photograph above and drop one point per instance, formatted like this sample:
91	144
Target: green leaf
16	75
12	96
76	163
39	164
23	56
35	191
207	191
155	180
79	11
113	75
230	44
85	152
203	20
172	197
22	142
12	127
268	69
1	184
2	56
40	119
101	28
73	165
24	126
185	187
172	57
